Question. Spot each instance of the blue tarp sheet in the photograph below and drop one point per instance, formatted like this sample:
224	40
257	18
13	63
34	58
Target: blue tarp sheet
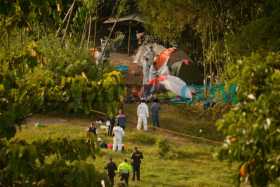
216	94
121	68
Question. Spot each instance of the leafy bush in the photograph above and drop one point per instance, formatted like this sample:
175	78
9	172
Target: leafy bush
25	164
143	138
65	149
252	127
61	79
164	147
168	150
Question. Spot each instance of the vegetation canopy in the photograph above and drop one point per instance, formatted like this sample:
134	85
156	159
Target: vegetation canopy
45	66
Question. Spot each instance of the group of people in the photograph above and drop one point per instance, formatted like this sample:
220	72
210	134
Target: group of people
116	128
143	114
125	168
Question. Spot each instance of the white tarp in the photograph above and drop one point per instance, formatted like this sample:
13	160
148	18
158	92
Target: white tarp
177	86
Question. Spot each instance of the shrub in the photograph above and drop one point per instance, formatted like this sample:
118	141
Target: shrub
63	79
252	127
47	163
164	147
143	138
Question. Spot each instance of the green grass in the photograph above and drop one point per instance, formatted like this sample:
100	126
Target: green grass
183	119
186	164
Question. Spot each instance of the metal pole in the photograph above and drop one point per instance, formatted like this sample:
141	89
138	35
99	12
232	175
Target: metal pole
129	38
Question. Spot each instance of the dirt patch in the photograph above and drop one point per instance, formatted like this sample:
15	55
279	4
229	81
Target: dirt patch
50	120
134	74
122	59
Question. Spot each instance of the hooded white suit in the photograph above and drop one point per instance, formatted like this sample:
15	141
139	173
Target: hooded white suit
143	114
118	136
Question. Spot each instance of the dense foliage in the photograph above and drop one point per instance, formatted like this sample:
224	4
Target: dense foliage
47	163
41	70
252	126
214	32
218	34
45	77
42	76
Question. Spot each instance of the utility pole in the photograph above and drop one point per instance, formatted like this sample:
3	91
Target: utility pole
129	38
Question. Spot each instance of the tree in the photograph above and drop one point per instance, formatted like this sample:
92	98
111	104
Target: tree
253	126
229	30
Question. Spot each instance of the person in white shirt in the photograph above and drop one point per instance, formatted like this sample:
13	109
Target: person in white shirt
143	114
118	136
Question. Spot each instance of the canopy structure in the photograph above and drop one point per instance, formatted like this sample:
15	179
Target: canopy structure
132	22
132	17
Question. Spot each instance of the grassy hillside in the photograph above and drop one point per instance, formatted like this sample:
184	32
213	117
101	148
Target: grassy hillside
182	118
185	164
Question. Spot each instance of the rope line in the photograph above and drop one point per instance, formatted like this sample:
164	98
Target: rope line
190	136
174	132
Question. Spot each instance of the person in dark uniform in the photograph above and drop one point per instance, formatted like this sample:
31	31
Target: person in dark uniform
111	167
136	157
91	134
121	119
92	128
155	108
111	126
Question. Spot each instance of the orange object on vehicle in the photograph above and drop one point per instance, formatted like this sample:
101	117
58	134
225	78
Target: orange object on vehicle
163	57
156	80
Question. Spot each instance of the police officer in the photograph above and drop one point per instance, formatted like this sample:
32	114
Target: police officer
136	157
124	169
111	167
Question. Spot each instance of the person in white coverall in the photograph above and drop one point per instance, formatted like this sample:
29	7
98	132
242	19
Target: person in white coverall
118	136
143	114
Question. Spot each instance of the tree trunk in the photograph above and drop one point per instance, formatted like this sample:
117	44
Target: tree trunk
95	26
84	32
89	31
69	17
66	16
